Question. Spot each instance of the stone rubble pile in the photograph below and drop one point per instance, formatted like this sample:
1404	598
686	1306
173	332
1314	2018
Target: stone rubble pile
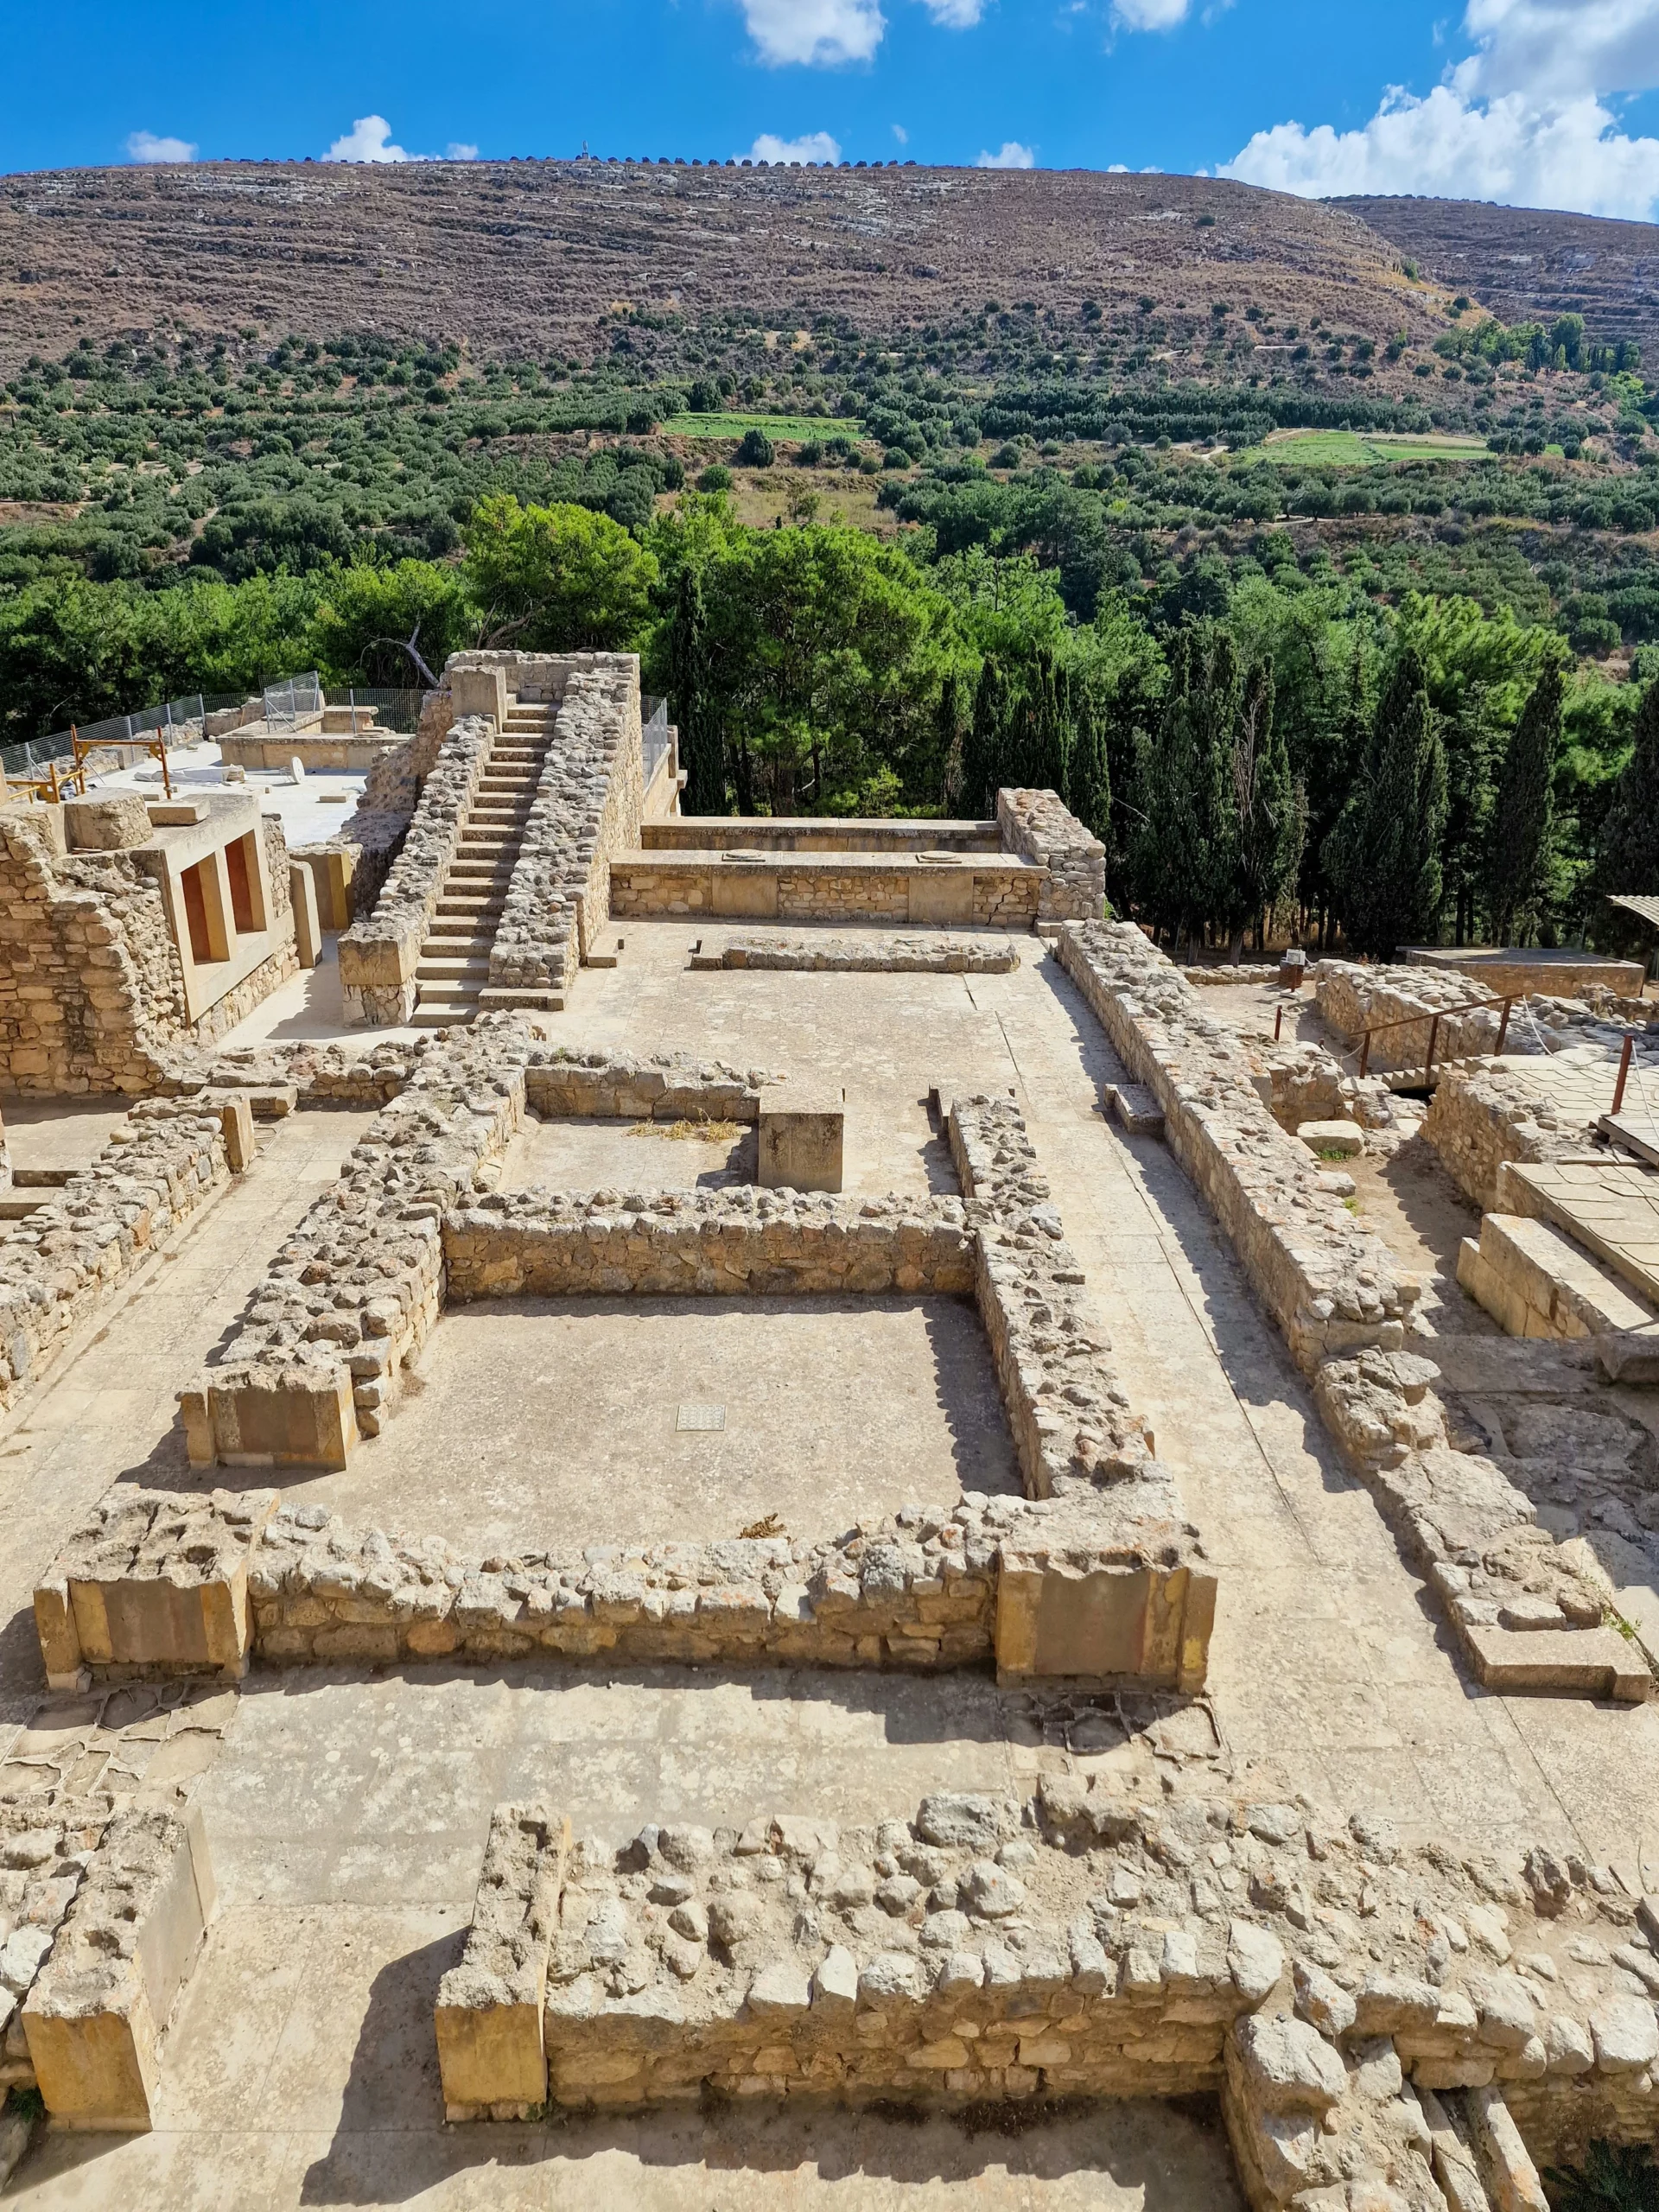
378	953
1040	828
872	956
69	1255
587	806
1342	1990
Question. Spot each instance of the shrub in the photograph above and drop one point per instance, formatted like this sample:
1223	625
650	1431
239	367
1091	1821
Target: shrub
756	450
717	478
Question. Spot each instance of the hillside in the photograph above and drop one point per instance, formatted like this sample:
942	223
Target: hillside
1527	263
516	258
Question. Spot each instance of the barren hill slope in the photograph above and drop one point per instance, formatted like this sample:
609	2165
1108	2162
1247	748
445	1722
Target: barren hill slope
525	256
1529	264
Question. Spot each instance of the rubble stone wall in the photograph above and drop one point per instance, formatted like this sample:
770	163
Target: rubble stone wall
588	808
884	955
1037	825
835	887
379	952
1492	1111
65	1259
1330	1283
1357	2003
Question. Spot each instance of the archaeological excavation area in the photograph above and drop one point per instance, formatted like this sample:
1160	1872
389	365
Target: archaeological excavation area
717	1513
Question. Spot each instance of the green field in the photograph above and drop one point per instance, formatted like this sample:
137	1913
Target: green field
1352	450
775	426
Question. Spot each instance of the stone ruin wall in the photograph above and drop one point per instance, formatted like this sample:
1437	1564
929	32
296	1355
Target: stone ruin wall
1530	1612
1036	824
1373	2016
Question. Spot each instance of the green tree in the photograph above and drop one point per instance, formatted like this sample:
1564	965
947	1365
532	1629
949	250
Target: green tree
394	626
1384	853
1089	791
1270	804
556	579
983	746
1627	861
701	748
1519	856
951	740
1186	858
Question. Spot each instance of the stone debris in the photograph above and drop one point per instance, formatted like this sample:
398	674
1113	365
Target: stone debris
1349	1995
930	955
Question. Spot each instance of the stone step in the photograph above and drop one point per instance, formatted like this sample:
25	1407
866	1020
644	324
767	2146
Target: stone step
452	971
439	1017
1536	1282
503	998
474	910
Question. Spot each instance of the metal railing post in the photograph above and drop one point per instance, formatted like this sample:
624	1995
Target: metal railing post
1503	1029
1428	1064
1365	1054
1278	1023
1623	1071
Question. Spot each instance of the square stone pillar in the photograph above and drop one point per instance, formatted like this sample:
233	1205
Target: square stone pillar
801	1131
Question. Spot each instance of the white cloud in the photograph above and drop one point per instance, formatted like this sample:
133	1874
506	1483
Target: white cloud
1522	121
1014	156
1150	14
955	15
369	139
819	33
456	151
145	147
901	133
815	146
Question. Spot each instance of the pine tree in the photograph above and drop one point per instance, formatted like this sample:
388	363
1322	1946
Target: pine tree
1518	851
702	751
1384	853
1627	863
1271	810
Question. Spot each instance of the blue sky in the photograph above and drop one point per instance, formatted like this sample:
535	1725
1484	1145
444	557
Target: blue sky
1541	102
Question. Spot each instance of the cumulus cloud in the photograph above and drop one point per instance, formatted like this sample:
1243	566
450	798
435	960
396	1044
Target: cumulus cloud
1150	14
1013	155
456	151
818	33
814	146
369	139
1522	120
955	15
145	147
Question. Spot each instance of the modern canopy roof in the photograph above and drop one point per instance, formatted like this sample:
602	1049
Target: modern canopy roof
1647	907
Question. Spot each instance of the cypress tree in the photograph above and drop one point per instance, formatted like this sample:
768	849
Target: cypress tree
983	746
1628	860
951	741
1089	792
1272	813
1051	734
1384	853
702	751
1519	848
1186	848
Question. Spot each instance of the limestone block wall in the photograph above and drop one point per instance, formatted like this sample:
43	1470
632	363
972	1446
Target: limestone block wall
836	886
378	953
588	808
1365	2009
889	956
1038	826
1492	1111
64	1260
1330	1283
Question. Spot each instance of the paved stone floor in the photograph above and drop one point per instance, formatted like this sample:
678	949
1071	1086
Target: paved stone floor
346	1812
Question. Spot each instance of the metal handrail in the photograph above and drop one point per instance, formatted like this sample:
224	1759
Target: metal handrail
1434	1019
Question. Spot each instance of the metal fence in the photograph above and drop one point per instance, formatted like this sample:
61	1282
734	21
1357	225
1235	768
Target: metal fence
393	710
292	700
178	719
655	732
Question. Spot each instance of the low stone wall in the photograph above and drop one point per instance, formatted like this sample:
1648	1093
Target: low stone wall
1528	1612
1037	825
1352	999
588	808
809	833
1490	1112
1079	1944
64	1260
841	886
1553	974
1329	1282
378	954
885	956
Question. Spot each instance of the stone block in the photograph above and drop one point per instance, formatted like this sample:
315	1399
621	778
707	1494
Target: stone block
106	821
236	1119
97	2011
800	1138
308	931
1103	1623
1585	1663
1345	1137
488	2017
297	1417
480	691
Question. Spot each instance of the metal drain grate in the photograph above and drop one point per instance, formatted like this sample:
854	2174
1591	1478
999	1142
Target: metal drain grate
700	1417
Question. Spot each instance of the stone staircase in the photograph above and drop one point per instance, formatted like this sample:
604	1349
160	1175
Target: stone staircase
455	963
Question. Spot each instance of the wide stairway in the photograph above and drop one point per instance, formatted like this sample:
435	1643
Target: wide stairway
455	963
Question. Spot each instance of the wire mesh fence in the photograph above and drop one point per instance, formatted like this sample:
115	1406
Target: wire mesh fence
294	700
655	732
178	721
